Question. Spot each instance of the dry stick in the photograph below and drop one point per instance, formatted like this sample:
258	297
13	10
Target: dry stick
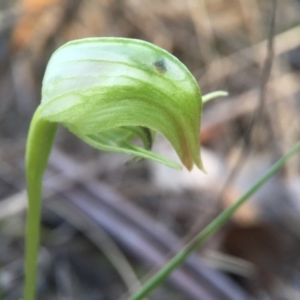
100	238
262	99
223	67
245	151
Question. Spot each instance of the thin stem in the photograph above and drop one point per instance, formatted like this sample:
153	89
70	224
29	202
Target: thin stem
39	143
209	230
213	95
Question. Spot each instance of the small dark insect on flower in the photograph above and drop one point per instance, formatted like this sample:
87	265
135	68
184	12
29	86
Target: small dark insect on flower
160	66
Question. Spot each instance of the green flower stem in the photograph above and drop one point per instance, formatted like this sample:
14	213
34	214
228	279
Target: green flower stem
39	145
209	230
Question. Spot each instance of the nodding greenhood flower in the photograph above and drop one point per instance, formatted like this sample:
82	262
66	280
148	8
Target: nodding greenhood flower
108	91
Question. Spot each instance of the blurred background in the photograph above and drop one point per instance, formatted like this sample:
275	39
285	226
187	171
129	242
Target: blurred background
108	225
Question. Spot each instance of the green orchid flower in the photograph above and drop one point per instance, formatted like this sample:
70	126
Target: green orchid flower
108	91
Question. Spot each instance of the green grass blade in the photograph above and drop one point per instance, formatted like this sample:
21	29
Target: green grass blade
208	231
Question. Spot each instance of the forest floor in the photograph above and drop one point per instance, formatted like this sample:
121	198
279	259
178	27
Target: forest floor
106	224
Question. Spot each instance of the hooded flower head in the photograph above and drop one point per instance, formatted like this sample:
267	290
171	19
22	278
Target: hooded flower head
109	90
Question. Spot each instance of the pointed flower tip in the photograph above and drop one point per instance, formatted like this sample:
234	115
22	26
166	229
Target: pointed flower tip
108	90
198	164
